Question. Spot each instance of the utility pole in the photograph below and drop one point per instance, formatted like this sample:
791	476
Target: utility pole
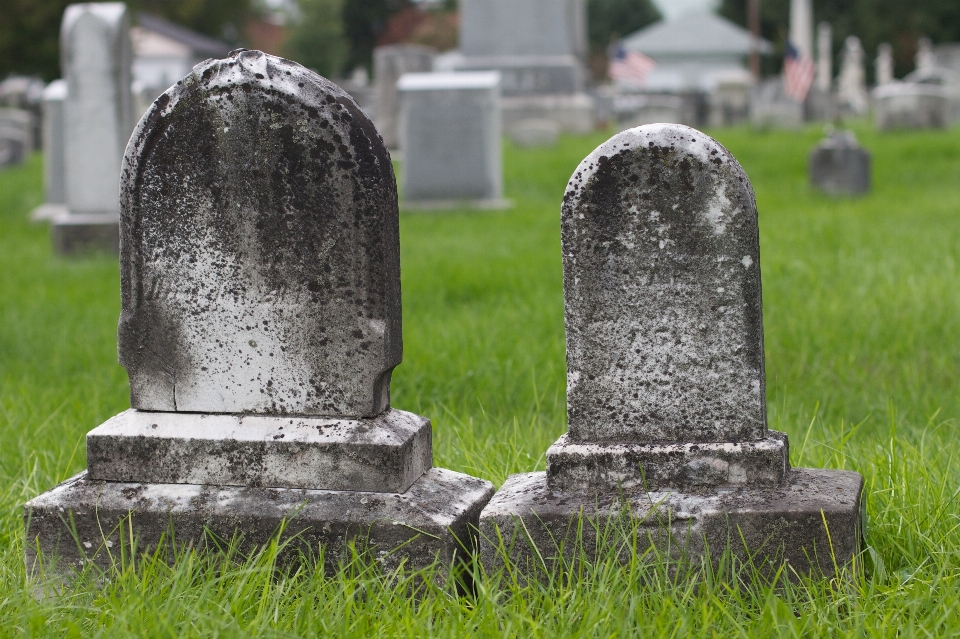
753	22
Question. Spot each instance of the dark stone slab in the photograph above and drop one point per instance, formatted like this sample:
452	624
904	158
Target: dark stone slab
83	520
661	270
387	453
77	233
811	524
260	254
840	166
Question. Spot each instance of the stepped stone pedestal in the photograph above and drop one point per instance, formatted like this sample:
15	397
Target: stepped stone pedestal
260	289
667	427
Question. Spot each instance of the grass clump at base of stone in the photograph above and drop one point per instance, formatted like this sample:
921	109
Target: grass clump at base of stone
862	323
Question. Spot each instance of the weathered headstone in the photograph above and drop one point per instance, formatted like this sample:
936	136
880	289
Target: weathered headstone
911	105
539	47
852	96
840	166
23	92
451	137
534	132
95	60
260	289
389	63
884	64
54	169
15	136
665	377
772	108
729	103
820	102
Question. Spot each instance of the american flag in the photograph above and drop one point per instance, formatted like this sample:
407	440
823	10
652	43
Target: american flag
798	73
630	67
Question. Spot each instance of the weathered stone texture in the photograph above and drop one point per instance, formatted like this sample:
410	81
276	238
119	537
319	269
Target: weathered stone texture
811	524
662	292
384	454
260	259
84	520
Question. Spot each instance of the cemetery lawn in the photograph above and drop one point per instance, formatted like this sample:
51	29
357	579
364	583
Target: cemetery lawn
862	321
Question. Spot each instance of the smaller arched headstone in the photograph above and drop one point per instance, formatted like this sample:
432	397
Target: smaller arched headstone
665	372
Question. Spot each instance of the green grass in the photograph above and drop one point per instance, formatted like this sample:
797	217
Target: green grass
862	320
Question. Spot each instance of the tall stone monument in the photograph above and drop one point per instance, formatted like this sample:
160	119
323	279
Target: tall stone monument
540	49
389	63
95	60
451	136
824	81
260	325
884	64
666	402
54	168
852	96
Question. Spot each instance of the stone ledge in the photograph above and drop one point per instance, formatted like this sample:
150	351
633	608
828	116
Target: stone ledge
386	454
777	525
74	233
586	466
83	520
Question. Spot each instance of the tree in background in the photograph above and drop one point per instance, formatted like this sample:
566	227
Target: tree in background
899	22
363	22
610	20
30	29
317	40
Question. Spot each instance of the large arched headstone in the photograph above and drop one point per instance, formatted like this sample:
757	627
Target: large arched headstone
260	255
260	281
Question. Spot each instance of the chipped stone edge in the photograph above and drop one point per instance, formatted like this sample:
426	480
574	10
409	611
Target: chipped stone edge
385	454
603	466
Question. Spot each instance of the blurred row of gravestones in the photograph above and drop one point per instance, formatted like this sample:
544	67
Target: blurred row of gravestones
261	324
520	71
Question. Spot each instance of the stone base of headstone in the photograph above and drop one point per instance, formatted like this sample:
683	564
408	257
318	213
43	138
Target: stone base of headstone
810	524
612	466
84	520
498	204
839	166
573	113
527	75
46	212
534	132
75	233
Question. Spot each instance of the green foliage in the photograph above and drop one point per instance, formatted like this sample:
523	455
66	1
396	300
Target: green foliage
30	37
862	333
610	20
363	21
30	29
873	21
317	41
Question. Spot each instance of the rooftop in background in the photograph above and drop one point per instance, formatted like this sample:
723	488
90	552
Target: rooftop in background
693	34
198	44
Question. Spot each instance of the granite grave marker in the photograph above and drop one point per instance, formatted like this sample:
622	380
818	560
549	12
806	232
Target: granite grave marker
389	63
260	324
54	169
840	166
451	136
95	53
666	401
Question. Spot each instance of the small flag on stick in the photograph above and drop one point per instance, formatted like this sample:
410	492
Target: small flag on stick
630	67
798	73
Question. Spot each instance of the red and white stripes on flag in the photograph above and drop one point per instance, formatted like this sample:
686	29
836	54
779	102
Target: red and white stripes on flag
630	67
798	73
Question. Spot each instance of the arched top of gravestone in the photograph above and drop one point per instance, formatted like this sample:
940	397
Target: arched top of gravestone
662	295
260	268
